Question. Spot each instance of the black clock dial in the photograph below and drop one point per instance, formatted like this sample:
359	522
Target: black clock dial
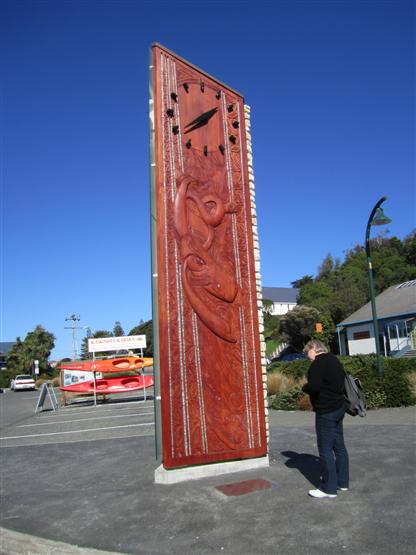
201	120
200	109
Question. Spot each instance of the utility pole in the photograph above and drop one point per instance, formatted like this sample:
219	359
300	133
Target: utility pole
73	318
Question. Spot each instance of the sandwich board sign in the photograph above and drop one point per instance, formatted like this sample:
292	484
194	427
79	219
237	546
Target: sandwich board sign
46	391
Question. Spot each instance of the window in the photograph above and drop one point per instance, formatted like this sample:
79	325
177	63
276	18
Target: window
361	335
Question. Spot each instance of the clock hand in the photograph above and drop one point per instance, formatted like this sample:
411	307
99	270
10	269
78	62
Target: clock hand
201	120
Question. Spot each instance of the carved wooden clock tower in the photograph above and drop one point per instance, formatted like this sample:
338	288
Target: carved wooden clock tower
210	392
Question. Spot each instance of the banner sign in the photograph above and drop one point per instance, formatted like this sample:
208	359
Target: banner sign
70	377
116	343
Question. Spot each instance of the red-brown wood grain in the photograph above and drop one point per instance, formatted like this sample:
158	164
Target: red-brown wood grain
210	366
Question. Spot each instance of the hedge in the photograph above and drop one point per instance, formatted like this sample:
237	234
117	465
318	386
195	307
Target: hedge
394	389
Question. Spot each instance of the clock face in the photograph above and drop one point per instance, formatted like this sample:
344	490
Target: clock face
199	119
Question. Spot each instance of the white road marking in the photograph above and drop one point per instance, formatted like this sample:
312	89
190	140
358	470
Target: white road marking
84	419
77	431
89	410
66	441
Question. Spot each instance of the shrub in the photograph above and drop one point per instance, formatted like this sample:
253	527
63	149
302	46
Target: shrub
375	397
55	382
278	383
5	377
412	382
396	388
304	402
288	400
295	369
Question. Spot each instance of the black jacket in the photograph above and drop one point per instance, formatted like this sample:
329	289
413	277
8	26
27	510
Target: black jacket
325	384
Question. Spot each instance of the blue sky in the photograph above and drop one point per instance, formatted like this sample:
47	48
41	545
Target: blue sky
331	85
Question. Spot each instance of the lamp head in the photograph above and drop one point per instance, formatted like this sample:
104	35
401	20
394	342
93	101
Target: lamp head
380	218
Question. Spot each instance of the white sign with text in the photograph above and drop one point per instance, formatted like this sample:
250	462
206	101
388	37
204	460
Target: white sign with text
116	343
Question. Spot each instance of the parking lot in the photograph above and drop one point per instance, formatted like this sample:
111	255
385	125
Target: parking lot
120	416
84	476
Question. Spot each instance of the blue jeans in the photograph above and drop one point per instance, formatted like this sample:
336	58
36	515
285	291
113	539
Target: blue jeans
332	450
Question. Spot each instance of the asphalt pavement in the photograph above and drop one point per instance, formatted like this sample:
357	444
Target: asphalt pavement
81	480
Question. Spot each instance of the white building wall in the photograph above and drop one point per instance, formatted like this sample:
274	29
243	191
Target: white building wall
278	309
361	346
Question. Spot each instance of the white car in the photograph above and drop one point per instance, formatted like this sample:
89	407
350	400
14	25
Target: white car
22	381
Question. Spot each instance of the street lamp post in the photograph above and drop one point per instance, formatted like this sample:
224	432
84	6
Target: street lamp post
377	217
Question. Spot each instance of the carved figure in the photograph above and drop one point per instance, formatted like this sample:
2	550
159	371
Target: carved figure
200	270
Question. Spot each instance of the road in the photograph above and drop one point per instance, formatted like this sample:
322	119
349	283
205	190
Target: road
84	475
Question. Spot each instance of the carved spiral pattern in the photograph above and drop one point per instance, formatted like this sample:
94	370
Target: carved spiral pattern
202	273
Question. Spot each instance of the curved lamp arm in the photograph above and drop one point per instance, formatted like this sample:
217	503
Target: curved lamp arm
370	220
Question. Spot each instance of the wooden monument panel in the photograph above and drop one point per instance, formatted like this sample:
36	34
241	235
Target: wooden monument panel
210	368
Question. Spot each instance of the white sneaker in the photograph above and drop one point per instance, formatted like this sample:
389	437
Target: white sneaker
320	494
343	489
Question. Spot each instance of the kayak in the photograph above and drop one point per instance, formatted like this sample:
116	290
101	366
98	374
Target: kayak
109	364
110	385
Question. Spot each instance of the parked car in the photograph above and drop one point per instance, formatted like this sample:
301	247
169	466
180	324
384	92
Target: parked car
288	357
22	381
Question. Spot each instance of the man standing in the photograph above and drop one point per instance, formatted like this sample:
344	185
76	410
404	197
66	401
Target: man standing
325	387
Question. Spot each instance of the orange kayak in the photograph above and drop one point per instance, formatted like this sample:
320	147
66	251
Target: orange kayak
111	385
109	364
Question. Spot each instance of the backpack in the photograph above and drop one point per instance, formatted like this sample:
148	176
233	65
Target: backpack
354	396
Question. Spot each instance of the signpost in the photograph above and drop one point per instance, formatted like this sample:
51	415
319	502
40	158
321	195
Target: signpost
126	342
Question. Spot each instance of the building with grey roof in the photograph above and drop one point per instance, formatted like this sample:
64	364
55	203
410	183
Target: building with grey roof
396	315
5	347
283	298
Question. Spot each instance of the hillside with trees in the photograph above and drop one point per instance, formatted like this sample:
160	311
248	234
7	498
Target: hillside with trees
341	287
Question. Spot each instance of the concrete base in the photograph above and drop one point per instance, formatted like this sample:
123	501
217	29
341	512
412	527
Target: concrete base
176	475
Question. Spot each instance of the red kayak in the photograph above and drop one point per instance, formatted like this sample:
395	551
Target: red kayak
109	364
111	385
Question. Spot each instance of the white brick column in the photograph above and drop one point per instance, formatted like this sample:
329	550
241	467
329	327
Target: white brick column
257	262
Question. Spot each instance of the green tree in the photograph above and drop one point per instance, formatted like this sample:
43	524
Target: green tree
305	280
271	328
37	345
326	268
118	330
341	288
409	248
14	357
90	335
84	345
145	328
317	294
298	325
327	335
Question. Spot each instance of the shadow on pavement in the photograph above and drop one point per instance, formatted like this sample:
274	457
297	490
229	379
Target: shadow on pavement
308	465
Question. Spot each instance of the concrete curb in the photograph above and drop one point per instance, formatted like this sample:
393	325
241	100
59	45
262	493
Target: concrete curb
16	543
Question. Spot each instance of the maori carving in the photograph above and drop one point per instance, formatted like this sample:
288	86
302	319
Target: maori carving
200	270
211	405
